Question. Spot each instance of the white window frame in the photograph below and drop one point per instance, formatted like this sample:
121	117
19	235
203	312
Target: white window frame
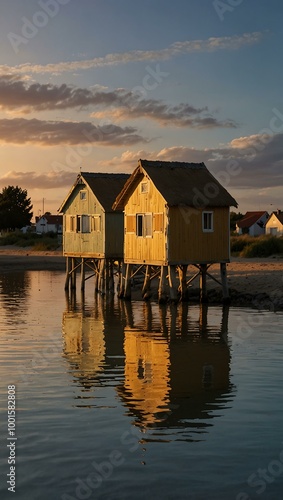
207	228
144	225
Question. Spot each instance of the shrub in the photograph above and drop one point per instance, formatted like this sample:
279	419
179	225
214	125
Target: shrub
238	243
264	246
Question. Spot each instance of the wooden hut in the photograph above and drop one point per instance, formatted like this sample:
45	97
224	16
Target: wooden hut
176	214
92	231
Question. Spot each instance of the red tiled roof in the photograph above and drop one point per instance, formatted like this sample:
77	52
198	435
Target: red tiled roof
250	218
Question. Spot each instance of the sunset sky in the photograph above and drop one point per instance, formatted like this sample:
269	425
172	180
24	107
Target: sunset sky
94	85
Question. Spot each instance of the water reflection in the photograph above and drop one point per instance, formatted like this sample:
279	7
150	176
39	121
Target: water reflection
169	365
93	341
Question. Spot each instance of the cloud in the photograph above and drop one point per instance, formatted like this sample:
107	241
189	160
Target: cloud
34	180
119	104
53	133
176	49
253	162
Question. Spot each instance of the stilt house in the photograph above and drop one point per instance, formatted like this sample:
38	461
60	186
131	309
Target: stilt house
92	230
176	214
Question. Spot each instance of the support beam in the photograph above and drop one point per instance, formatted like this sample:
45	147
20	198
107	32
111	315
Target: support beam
202	283
68	268
128	293
162	298
73	273
224	280
101	281
173	284
121	291
183	282
82	274
146	285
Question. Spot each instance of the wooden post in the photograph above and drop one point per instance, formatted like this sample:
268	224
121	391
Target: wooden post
224	280
183	282
127	294
73	274
111	276
162	285
202	282
96	279
121	291
146	285
67	280
173	284
107	275
82	274
101	283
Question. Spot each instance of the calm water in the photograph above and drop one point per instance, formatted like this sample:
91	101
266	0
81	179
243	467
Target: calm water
133	401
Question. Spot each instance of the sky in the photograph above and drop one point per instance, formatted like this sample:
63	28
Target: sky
95	85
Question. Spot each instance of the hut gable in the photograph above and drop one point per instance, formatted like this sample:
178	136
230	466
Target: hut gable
175	213
91	227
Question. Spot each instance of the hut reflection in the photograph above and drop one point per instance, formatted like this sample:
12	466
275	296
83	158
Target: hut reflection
176	368
93	341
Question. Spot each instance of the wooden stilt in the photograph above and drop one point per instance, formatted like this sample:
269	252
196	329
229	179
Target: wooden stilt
68	267
148	316
73	274
173	284
111	276
127	294
202	279
162	285
82	274
101	285
203	318
96	279
183	282
184	318
146	286
224	280
121	291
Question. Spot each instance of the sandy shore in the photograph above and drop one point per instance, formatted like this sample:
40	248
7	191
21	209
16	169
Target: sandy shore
251	281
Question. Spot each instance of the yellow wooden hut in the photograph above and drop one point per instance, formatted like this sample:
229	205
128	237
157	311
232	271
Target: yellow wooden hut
92	231
176	214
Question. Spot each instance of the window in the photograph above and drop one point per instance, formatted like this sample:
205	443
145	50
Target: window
85	224
207	222
83	195
144	187
144	225
158	225
96	223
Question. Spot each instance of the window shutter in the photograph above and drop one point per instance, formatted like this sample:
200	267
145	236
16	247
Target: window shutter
130	223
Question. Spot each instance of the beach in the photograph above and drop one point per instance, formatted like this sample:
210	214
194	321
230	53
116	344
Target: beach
257	281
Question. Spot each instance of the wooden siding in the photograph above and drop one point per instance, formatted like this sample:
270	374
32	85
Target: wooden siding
114	235
108	242
187	243
140	249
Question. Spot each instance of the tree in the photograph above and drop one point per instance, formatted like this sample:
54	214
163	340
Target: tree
235	217
15	208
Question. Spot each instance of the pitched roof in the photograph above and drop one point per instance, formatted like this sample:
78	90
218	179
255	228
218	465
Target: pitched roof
52	219
250	218
104	186
277	214
179	183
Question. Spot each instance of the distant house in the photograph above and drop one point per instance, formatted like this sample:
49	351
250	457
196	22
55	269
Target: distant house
274	224
253	223
49	223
